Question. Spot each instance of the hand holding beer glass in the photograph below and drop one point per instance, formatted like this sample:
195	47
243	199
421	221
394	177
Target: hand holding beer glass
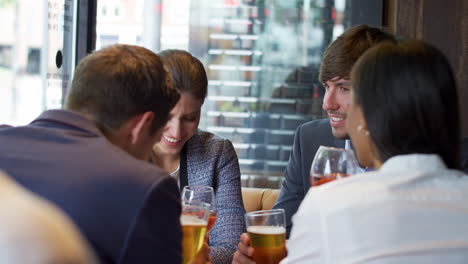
194	220
203	194
267	232
332	163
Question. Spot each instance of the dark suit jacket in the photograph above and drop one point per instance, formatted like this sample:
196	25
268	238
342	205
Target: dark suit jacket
464	155
308	138
128	209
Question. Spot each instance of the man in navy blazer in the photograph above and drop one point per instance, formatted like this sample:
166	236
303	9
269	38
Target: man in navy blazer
338	59
91	158
308	138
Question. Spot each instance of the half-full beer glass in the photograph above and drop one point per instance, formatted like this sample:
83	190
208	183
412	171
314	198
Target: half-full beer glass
203	194
267	231
194	220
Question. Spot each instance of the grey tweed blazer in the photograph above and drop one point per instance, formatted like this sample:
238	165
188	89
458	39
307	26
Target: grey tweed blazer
211	160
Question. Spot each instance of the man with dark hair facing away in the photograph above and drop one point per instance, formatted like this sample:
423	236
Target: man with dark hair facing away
91	159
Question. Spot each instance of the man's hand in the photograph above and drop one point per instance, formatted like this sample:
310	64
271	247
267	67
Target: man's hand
203	255
244	252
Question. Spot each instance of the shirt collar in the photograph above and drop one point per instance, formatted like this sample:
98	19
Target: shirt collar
413	162
348	144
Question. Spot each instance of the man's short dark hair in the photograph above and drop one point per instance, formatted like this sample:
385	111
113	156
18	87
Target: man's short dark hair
342	53
119	82
408	96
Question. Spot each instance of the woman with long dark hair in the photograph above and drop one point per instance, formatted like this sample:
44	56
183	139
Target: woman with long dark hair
403	120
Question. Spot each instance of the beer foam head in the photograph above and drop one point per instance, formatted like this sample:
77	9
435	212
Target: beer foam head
266	230
192	220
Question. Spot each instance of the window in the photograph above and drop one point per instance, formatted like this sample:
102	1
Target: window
33	32
6	52
34	61
104	11
106	40
262	59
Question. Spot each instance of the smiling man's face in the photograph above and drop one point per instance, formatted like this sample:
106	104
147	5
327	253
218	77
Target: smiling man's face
336	102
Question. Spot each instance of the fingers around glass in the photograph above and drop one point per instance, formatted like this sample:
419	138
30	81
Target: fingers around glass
267	231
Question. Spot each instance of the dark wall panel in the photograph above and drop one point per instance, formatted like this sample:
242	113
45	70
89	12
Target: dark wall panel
442	23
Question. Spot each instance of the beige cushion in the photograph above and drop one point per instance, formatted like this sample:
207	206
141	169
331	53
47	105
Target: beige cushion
256	199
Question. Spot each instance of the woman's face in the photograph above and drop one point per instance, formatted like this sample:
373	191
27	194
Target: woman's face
357	129
182	124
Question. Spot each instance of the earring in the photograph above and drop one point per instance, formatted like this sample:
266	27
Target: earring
359	128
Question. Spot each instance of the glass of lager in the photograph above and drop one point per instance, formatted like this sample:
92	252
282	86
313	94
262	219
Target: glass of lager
204	194
267	232
194	220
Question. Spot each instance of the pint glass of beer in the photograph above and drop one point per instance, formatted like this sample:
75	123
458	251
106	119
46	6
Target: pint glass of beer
194	220
203	194
267	231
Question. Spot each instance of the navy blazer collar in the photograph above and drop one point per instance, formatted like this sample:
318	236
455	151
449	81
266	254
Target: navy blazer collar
339	143
68	118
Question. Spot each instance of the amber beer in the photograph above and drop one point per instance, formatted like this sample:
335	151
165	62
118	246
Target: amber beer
268	242
267	234
193	234
316	180
332	163
211	221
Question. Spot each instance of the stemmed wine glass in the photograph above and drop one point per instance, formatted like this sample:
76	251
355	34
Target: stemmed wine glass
205	194
332	163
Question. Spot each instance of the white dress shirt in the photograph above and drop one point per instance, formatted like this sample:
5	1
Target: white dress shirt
33	231
176	175
350	147
412	210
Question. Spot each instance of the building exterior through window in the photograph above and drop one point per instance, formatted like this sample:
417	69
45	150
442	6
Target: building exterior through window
262	59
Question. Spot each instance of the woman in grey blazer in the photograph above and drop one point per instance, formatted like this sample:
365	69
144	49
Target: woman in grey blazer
196	157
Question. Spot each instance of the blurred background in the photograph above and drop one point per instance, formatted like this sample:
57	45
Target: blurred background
262	58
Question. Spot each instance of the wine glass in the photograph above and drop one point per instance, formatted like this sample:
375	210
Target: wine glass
203	194
332	163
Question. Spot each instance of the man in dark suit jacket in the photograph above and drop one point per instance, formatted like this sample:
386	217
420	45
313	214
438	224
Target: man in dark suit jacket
308	138
90	159
335	68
